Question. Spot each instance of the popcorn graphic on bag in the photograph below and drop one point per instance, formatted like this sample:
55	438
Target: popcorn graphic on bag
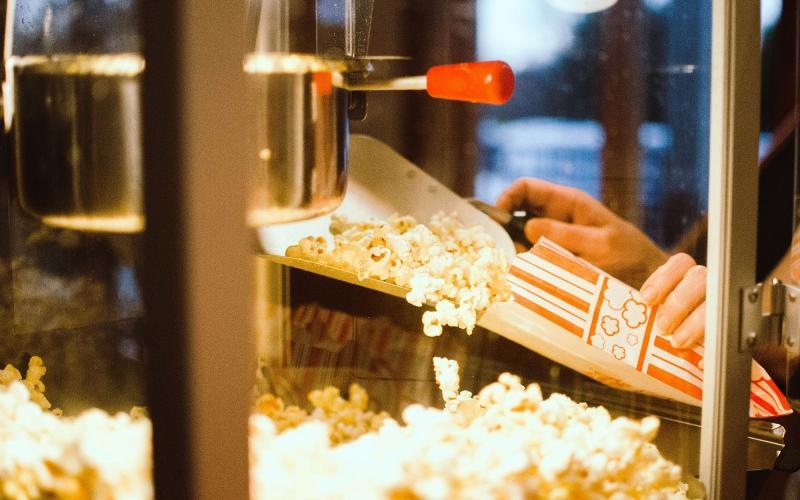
634	313
610	326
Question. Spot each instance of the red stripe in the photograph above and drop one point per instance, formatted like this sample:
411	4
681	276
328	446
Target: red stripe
756	412
328	319
597	308
679	367
553	245
302	315
311	311
345	329
688	354
547	314
645	341
541	298
761	402
675	381
572	265
550	288
768	386
384	335
324	318
536	261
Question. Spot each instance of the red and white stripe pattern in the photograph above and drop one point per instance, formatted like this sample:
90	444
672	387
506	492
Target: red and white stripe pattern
609	315
336	327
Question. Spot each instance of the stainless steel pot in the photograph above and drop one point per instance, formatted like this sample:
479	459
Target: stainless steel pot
77	140
300	153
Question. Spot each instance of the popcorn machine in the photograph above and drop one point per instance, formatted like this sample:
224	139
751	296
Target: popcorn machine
189	228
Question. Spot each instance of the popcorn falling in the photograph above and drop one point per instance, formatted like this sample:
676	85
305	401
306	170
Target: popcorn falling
505	442
458	269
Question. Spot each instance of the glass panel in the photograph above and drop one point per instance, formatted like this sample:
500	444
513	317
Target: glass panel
71	212
645	155
778	216
614	103
78	159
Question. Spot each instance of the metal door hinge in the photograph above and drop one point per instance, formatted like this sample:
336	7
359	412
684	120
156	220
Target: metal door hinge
779	326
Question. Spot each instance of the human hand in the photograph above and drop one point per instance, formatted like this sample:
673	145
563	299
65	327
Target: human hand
679	288
584	226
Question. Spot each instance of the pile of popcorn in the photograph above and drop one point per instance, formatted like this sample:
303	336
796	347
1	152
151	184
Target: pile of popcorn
505	442
32	381
45	455
457	269
346	419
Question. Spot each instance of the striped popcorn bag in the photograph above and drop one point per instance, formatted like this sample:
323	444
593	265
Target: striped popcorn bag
580	301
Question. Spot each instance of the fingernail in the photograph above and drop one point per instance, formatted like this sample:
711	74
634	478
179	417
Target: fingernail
648	294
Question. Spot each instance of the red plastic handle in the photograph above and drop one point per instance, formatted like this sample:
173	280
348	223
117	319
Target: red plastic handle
490	82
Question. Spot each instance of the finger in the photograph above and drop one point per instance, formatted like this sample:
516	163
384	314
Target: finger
692	330
554	201
664	279
576	238
567	204
514	196
688	294
520	247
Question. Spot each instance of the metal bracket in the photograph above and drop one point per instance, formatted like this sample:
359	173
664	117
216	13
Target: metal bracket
791	318
779	326
752	322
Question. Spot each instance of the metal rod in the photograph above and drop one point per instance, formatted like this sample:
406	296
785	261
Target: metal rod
403	83
8	51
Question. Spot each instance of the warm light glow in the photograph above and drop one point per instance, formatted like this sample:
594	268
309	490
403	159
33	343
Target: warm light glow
103	64
108	224
289	63
258	217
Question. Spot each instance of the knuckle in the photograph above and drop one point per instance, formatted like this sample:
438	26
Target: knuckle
673	304
696	323
605	241
536	227
658	272
697	272
686	259
656	282
520	185
695	332
573	191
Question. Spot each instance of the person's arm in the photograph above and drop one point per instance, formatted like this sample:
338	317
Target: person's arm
584	226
